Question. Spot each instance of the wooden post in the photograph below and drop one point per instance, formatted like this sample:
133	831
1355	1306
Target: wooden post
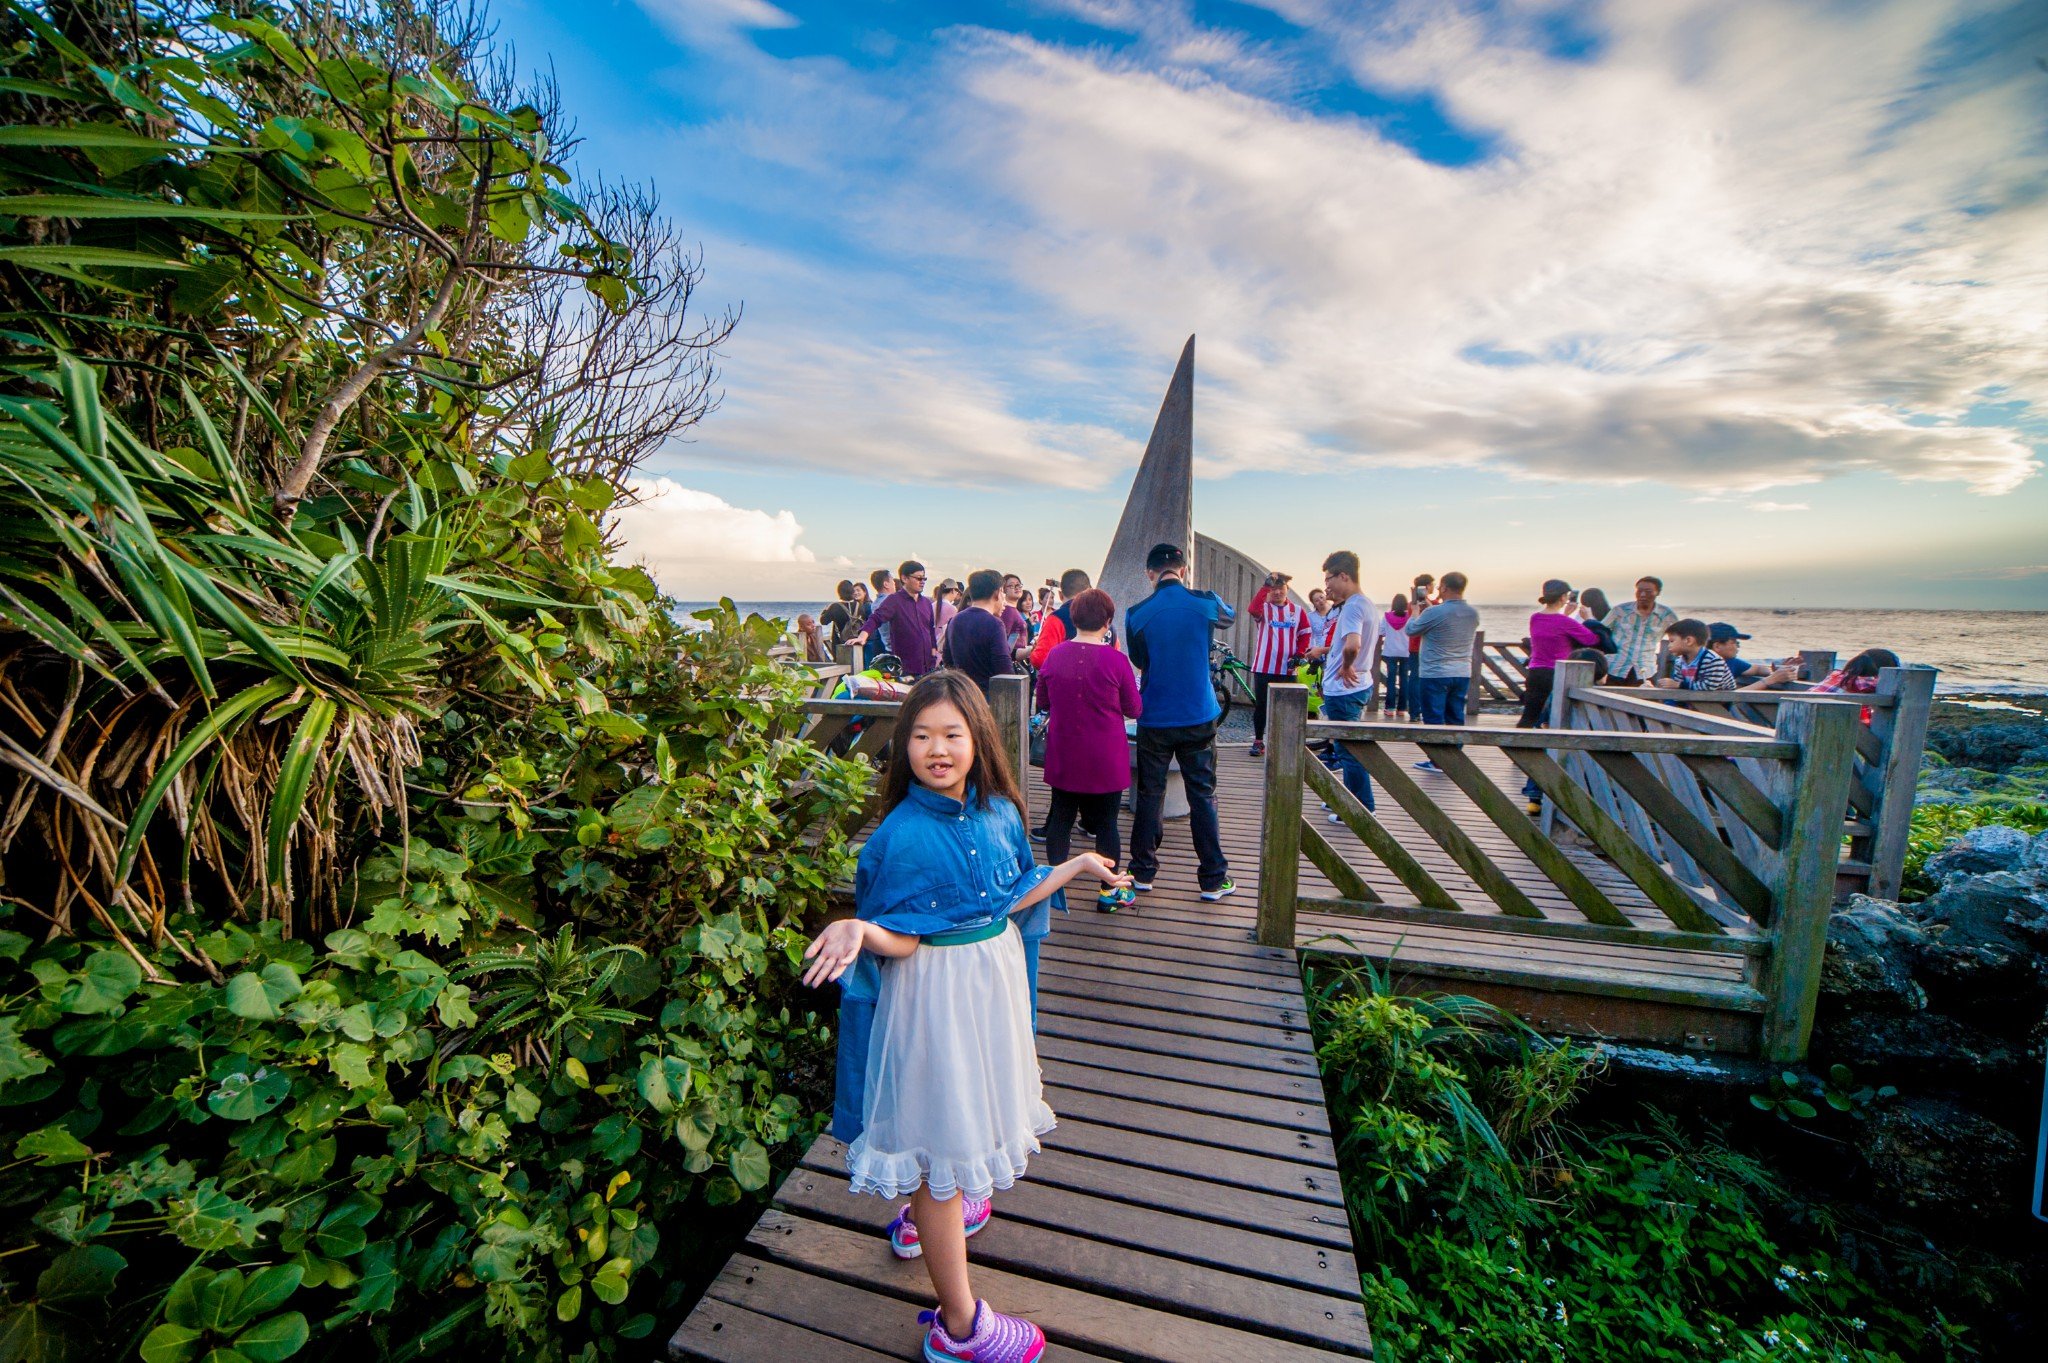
848	657
1473	693
1903	731
1010	698
1805	892
1569	677
1280	834
1815	664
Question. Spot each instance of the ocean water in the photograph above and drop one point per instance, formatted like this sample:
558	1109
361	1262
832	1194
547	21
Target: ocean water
1997	651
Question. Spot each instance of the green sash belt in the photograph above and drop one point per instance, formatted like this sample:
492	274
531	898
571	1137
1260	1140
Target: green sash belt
962	937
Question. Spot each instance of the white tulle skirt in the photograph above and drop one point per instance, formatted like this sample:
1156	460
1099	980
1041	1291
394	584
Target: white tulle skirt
954	1098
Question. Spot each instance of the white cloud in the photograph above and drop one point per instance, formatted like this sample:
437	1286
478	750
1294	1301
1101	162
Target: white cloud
685	537
715	23
1779	506
1741	246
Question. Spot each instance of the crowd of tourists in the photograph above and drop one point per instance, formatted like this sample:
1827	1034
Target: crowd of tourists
940	1098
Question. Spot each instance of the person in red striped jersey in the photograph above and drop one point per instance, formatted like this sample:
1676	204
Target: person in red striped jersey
1283	637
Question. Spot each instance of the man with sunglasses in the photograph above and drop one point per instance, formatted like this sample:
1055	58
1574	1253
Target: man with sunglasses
911	620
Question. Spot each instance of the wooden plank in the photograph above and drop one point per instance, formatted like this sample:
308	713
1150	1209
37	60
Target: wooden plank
1547	857
852	707
1315	1223
1495	883
1291	1015
1094	977
1628	853
1911	690
1377	839
1223	1133
1113	1080
1740	795
1806	892
1648	705
1602	982
1580	740
1069	1316
886	1324
1700	842
720	1332
1279	1039
1302	1090
1280	839
1331	863
1239	1170
1080	1258
1168	1227
1053	1021
1561	930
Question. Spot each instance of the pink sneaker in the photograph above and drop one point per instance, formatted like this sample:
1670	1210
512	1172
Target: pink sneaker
997	1338
903	1231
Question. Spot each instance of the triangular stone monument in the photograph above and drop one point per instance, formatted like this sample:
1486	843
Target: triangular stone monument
1161	507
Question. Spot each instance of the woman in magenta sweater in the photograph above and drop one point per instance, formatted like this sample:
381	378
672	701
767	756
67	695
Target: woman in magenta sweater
1089	691
1553	632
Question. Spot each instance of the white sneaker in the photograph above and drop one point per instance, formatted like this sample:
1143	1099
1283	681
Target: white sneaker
1336	817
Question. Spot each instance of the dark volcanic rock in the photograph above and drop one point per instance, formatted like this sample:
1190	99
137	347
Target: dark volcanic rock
1869	962
1982	956
1935	1157
1992	848
1920	1050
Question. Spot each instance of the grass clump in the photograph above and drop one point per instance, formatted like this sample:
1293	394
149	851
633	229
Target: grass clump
1494	1228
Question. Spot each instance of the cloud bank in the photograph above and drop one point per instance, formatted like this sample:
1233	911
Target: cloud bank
1714	245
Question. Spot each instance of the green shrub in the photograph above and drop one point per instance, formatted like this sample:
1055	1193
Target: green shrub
1936	827
401	909
1498	1232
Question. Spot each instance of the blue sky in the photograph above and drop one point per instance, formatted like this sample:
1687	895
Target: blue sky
1751	295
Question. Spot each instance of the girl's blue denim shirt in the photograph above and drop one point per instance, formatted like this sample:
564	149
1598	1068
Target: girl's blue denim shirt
934	864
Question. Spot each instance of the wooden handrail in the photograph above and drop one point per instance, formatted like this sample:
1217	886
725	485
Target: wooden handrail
1733	834
1756	747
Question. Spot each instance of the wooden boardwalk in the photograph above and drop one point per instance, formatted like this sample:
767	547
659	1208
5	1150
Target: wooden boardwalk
1188	1205
1186	1208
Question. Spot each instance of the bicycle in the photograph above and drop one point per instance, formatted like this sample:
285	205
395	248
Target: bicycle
1225	668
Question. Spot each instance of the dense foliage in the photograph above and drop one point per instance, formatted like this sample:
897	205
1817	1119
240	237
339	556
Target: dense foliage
398	907
1491	1228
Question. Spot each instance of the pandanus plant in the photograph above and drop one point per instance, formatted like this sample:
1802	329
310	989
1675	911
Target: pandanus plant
187	680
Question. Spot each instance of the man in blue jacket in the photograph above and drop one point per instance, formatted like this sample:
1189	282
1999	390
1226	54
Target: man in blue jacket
1169	634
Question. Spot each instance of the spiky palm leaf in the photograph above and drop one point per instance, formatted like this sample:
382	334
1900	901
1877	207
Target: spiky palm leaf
240	671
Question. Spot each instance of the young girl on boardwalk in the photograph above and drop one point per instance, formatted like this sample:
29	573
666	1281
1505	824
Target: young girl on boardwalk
939	1091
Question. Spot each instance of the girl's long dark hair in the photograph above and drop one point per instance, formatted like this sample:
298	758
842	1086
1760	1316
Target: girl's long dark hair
1869	663
990	775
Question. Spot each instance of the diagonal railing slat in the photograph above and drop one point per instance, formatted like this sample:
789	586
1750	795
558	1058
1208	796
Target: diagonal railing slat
1497	884
1588	898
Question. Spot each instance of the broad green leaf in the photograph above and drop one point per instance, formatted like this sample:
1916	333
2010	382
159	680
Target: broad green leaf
750	1167
101	135
102	984
83	1274
18	1059
243	1097
269	1341
169	1343
269	1288
610	1282
246	998
52	1145
570	1304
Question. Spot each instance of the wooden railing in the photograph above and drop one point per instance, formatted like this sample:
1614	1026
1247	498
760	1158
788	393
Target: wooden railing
1731	838
831	725
1888	750
1500	671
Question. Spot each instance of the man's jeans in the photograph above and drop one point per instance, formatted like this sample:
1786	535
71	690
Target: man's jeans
1194	747
1343	710
1443	699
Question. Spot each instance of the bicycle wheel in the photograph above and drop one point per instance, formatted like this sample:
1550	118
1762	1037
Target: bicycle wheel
1222	699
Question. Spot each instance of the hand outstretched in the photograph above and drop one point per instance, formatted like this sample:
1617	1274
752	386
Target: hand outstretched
833	951
1101	868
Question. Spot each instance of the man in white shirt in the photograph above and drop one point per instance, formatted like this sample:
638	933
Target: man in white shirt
1347	671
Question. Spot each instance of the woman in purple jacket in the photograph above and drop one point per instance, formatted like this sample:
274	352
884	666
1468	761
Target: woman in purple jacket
1089	690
